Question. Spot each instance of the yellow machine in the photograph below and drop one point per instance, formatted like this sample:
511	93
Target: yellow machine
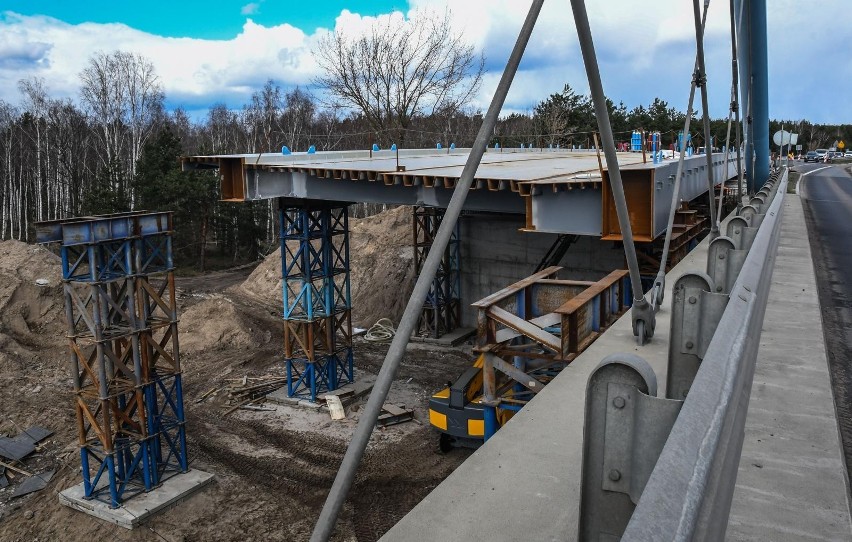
459	413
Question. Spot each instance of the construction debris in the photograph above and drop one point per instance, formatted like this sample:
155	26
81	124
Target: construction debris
247	390
24	444
15	448
335	407
15	469
33	483
349	393
392	415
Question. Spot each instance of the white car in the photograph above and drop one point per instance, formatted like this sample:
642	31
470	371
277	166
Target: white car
847	154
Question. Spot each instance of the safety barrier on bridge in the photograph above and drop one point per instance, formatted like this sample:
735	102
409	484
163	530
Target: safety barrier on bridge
665	468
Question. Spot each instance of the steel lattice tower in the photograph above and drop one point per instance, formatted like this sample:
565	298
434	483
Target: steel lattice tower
441	311
121	314
317	302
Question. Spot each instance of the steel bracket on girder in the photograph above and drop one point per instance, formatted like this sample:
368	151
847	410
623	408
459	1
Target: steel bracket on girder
696	311
625	430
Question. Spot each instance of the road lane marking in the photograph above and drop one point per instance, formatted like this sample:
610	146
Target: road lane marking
814	171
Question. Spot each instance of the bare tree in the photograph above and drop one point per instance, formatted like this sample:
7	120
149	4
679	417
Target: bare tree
36	102
124	97
297	118
398	71
221	129
104	94
144	96
261	118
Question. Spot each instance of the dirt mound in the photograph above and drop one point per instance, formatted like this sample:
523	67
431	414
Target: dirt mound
218	323
31	304
381	268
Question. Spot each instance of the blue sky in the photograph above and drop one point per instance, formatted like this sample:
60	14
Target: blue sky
216	19
222	51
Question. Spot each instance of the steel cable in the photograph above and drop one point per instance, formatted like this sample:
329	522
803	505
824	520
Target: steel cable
641	312
658	289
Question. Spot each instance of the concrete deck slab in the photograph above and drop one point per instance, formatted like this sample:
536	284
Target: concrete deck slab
791	483
140	507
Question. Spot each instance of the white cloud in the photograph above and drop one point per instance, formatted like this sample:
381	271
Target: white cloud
645	50
190	69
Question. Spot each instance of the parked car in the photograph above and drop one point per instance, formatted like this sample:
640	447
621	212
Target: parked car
811	156
847	154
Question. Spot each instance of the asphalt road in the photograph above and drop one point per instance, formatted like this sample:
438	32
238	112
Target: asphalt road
827	197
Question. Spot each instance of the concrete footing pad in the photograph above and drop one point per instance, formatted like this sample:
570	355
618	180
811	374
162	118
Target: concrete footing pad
141	507
347	393
453	338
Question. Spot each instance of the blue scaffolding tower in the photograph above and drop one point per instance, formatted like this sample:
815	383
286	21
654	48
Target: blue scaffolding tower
121	314
317	301
441	311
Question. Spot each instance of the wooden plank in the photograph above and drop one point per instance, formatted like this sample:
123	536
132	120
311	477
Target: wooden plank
532	331
504	335
15	469
563	282
394	415
515	288
573	304
546	320
394	410
517	375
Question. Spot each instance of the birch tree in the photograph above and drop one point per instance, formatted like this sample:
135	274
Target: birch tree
123	95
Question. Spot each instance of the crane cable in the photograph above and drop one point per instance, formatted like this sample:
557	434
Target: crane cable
727	157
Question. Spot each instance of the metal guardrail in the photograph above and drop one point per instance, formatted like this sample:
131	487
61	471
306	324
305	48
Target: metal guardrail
666	468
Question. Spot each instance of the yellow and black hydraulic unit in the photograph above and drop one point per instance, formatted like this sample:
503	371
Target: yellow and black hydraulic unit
460	414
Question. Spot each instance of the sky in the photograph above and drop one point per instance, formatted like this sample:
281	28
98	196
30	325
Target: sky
221	51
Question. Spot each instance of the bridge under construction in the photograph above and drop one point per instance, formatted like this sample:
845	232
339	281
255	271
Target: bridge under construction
609	403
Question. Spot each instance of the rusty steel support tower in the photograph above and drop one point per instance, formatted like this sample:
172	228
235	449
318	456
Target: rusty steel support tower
317	301
121	313
441	313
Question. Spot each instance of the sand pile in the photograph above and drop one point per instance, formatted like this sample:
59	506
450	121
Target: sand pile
32	314
217	323
381	268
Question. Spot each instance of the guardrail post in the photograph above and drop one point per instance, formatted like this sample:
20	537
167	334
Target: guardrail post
741	233
724	262
696	311
752	215
625	431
